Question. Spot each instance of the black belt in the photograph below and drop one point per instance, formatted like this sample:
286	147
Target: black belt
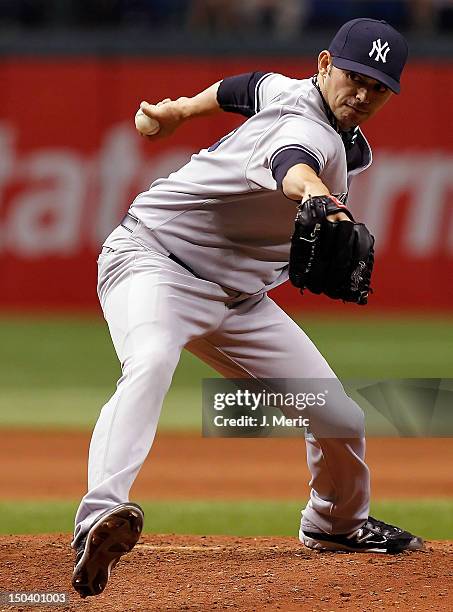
129	222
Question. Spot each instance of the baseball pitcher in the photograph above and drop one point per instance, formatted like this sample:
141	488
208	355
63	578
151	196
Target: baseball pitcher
191	263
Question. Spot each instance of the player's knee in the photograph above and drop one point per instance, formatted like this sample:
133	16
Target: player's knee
349	421
356	423
156	363
341	418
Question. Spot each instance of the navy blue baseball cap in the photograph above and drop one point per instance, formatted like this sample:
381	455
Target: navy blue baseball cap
372	48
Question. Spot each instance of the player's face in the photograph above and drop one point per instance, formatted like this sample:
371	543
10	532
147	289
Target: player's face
352	97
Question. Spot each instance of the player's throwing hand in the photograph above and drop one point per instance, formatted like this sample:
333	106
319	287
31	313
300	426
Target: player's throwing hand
161	119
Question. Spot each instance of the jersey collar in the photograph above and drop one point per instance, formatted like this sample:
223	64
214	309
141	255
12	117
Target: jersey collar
349	138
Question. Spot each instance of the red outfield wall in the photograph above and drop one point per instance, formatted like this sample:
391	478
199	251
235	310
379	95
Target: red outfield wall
71	162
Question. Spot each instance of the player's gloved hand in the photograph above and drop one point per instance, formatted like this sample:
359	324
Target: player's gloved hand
334	258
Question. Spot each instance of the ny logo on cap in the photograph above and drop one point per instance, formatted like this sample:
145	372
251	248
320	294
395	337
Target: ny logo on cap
380	49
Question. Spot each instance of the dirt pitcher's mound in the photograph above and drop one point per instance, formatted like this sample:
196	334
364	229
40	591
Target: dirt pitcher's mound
203	574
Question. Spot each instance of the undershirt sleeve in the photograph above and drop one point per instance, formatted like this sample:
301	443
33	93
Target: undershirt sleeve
288	156
240	94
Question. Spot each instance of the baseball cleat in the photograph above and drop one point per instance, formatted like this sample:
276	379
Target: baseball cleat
374	536
112	535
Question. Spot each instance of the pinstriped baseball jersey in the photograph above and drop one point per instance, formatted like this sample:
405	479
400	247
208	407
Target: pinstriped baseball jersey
224	214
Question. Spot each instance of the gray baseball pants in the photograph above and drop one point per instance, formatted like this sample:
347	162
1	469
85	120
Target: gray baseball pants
154	308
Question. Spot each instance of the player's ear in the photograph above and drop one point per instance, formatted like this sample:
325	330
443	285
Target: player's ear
324	63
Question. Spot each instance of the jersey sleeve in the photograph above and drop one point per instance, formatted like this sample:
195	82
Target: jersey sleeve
293	139
271	86
239	94
288	157
246	94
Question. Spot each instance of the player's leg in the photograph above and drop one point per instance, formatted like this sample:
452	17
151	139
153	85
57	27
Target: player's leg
270	345
153	307
258	339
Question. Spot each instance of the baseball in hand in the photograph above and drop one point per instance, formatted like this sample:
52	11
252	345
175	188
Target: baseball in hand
145	125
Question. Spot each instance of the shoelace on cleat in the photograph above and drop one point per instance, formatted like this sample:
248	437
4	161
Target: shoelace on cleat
384	528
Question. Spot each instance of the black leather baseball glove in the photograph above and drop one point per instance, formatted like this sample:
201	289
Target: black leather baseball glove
334	258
